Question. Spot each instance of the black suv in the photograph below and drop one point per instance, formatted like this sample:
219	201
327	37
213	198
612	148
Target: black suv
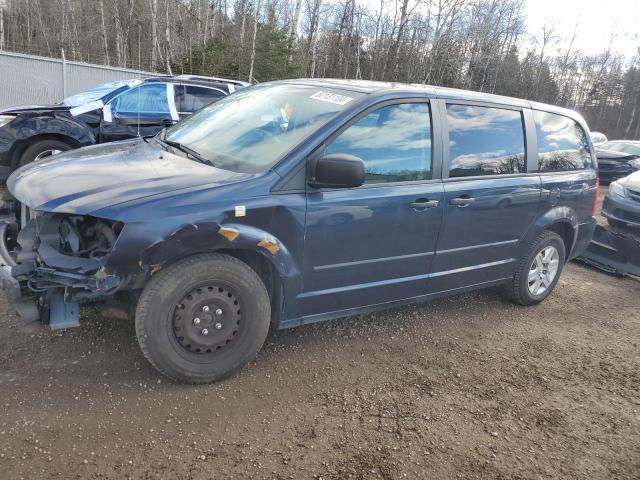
104	113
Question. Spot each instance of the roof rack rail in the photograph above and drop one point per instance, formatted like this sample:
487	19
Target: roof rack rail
203	77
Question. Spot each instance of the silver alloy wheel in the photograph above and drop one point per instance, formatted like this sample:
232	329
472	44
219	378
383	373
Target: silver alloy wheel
543	270
47	153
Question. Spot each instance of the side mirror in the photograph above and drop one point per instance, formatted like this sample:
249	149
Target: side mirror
338	170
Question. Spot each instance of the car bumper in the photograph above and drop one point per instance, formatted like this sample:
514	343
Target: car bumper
26	307
584	234
621	209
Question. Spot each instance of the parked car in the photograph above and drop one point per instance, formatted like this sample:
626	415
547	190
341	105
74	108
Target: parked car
626	146
598	138
298	201
110	111
621	205
616	164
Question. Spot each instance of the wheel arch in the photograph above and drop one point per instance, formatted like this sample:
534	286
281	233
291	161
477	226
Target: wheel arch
22	144
561	220
261	251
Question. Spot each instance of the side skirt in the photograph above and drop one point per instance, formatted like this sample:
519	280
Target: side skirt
320	317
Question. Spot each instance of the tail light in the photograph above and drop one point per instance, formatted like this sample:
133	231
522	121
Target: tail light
595	200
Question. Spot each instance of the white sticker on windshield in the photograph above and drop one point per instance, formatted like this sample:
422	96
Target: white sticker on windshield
87	107
331	98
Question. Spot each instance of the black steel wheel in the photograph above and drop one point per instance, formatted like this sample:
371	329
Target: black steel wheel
207	319
203	318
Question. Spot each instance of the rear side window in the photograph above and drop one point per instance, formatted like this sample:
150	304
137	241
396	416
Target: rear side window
393	141
562	143
485	141
190	98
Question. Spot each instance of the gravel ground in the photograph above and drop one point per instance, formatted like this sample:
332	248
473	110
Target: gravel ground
467	387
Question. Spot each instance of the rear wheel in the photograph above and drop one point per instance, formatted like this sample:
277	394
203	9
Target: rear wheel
538	272
203	318
43	149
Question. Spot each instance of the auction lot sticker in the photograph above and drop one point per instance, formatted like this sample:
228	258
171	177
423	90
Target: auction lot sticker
331	98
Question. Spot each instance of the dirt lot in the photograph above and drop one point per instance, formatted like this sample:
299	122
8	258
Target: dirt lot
468	387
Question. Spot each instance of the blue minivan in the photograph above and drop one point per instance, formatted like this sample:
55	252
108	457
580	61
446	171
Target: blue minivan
297	201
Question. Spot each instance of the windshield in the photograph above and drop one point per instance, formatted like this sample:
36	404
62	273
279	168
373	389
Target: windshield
252	129
632	148
92	94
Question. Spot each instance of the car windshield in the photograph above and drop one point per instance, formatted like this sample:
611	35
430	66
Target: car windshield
633	148
92	94
252	129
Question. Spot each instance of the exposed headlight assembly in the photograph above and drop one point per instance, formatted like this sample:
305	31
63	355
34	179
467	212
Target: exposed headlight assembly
635	163
616	189
4	119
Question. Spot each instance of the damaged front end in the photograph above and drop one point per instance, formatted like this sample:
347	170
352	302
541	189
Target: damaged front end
55	262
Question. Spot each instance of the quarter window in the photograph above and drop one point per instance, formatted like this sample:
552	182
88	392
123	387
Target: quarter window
562	143
393	141
485	141
147	98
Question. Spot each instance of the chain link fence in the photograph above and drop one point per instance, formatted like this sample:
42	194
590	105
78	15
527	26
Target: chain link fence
33	80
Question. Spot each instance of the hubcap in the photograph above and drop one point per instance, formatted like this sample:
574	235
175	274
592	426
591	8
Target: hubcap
543	270
207	319
47	153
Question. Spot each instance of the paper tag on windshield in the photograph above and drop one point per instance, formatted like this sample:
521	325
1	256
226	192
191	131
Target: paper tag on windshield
331	98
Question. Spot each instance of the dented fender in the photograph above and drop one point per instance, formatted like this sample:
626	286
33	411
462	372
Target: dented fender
139	262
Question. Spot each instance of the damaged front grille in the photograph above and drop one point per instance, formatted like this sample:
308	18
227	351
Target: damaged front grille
60	260
66	251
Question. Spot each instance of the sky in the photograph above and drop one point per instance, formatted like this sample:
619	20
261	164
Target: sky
595	19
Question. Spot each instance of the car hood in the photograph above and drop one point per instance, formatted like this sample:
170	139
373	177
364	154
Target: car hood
91	178
35	108
613	156
631	181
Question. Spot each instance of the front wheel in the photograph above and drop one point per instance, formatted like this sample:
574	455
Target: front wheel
538	272
43	149
203	318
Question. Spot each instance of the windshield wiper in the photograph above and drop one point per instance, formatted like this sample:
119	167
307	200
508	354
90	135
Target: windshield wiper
189	151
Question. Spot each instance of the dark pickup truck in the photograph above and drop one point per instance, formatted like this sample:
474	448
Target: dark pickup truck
298	201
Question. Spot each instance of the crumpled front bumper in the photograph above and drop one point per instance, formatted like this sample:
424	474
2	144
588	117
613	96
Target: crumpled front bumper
26	307
43	284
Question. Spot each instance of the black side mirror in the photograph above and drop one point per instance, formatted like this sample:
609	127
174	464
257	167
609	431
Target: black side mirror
338	170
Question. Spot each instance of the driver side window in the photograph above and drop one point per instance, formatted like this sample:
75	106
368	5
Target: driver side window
393	141
146	98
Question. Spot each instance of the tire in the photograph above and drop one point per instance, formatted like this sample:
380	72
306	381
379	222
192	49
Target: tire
616	223
226	298
519	289
41	148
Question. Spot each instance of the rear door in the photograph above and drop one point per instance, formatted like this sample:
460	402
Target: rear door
375	243
489	201
142	111
191	98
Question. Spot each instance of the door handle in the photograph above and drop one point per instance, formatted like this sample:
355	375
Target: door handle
462	201
167	122
423	203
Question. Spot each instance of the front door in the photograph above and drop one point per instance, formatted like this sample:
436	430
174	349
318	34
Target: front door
142	111
490	200
375	243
